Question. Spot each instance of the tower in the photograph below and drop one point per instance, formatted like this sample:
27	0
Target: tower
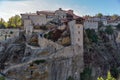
76	32
28	26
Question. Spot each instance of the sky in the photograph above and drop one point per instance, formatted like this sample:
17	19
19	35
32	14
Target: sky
10	8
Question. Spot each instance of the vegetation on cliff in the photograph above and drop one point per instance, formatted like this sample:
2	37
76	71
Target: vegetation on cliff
109	77
13	22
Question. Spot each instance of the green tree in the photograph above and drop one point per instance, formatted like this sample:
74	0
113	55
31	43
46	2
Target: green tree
2	23
92	35
100	78
109	30
99	15
86	74
15	21
109	77
2	78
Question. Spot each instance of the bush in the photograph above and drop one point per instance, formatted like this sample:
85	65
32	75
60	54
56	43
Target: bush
92	35
114	72
43	27
109	30
118	26
86	75
109	77
39	61
11	32
70	78
2	78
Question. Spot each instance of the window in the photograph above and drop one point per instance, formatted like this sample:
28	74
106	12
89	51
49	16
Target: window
78	39
78	32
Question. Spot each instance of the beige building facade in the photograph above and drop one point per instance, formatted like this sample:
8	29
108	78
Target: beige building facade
28	26
76	32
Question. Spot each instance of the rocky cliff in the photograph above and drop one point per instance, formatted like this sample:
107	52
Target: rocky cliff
102	56
21	61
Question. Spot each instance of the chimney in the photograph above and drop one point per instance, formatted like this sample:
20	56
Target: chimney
60	8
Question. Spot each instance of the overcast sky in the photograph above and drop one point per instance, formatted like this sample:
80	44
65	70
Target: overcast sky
9	8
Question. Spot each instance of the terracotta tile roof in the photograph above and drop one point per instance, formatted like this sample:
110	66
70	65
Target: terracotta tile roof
71	13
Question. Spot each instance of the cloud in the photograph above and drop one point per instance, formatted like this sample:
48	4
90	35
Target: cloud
11	7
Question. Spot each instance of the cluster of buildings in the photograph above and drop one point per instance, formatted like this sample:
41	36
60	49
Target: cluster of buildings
66	18
62	18
94	22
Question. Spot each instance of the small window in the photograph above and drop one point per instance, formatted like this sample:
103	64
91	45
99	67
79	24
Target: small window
78	39
78	32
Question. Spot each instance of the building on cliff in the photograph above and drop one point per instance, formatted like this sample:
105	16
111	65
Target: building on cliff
43	17
76	31
90	24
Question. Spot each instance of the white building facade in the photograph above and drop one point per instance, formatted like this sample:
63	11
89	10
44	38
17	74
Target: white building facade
89	24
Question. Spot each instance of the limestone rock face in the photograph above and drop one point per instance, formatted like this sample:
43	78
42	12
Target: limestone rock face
61	69
24	62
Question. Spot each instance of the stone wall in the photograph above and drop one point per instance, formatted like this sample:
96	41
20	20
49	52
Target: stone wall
35	19
9	33
38	19
43	43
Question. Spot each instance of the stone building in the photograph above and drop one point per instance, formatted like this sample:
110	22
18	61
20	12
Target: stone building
61	14
28	26
35	18
43	17
76	32
48	15
90	24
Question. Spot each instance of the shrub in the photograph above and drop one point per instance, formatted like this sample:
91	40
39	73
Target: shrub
11	32
39	61
43	27
109	30
114	72
92	35
70	78
109	77
86	75
118	26
2	78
